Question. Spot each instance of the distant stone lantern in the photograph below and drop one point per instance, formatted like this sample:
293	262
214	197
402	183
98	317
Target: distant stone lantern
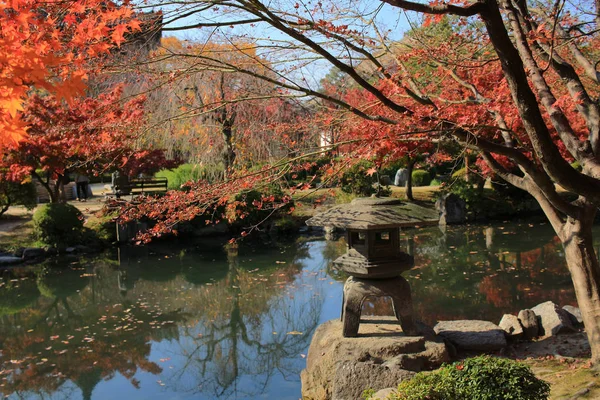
374	259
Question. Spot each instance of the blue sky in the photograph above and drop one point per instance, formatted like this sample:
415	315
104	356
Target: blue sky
391	18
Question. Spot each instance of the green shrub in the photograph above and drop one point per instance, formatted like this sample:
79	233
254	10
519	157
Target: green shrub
356	181
420	178
190	172
58	224
435	182
103	228
477	378
17	194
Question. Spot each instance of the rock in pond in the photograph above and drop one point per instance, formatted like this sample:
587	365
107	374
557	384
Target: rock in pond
575	314
6	261
530	323
379	357
472	334
511	325
33	252
553	319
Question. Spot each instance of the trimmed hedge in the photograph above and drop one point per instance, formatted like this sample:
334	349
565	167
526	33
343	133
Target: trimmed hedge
190	172
477	378
421	177
58	224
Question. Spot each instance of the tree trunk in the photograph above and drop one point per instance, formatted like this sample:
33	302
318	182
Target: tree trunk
585	273
5	207
409	168
229	151
52	193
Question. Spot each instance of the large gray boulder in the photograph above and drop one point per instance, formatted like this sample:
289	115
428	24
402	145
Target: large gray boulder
472	334
401	177
380	357
553	319
511	325
575	314
452	209
530	323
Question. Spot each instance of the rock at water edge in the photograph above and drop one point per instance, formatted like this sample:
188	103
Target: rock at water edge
472	334
352	378
511	325
530	323
575	314
5	261
378	358
33	252
553	319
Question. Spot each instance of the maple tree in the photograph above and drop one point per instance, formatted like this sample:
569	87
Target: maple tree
514	82
90	136
207	112
53	46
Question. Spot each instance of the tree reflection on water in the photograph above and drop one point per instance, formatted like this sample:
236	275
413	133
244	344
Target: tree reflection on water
213	322
224	322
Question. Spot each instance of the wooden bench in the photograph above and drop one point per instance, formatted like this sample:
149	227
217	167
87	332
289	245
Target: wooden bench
141	186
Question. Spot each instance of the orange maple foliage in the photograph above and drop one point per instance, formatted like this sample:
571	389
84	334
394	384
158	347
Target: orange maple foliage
47	46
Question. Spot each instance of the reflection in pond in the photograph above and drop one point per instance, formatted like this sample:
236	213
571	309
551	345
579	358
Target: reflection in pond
220	322
204	324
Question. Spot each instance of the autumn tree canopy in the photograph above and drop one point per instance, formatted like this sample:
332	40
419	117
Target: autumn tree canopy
205	111
53	46
89	136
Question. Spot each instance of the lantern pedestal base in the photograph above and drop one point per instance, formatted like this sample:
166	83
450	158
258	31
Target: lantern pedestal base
356	290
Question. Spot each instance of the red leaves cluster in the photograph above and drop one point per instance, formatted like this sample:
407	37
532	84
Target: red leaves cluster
47	45
91	136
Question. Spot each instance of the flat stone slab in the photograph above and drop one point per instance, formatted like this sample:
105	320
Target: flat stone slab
5	261
553	319
472	334
380	357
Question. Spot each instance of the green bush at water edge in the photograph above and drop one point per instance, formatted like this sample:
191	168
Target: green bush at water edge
58	224
477	378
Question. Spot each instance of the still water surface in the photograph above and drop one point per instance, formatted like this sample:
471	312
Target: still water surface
205	322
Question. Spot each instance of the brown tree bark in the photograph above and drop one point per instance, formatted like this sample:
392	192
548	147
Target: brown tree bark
585	274
409	185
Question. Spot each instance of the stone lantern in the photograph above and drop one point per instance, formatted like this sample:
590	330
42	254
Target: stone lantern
374	259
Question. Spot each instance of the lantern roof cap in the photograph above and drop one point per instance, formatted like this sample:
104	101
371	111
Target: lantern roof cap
375	213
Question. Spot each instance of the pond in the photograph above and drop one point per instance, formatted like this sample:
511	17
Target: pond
209	322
